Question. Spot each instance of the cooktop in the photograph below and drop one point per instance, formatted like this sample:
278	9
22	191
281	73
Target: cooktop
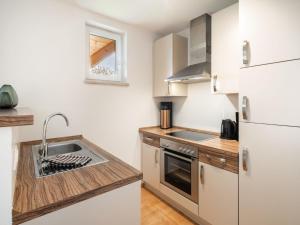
191	135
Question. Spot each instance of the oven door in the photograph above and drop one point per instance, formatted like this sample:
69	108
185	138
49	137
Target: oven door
180	173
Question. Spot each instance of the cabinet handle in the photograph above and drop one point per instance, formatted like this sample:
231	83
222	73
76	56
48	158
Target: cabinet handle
156	153
245	52
202	174
244	107
215	77
208	157
168	88
245	159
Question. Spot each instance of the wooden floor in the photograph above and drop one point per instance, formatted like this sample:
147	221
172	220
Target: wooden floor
157	212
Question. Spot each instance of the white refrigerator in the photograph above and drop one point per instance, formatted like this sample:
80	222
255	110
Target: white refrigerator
269	177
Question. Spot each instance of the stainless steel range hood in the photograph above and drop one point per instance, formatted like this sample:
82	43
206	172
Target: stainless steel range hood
200	53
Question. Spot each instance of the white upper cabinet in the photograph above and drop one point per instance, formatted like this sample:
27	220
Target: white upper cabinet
218	195
225	50
170	55
271	28
269	94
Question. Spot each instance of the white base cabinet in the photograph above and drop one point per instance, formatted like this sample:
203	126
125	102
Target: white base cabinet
150	165
269	190
119	206
218	195
6	159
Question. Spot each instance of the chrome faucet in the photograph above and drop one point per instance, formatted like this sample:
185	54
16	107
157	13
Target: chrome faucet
44	146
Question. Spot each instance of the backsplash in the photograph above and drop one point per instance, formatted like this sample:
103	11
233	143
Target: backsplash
203	110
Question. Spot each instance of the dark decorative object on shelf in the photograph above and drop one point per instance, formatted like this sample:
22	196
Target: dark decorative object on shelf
8	97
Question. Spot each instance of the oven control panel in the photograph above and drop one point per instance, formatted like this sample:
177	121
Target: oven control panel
179	147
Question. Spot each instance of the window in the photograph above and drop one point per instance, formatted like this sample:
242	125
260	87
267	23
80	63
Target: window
106	56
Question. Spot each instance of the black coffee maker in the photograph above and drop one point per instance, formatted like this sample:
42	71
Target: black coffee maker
229	129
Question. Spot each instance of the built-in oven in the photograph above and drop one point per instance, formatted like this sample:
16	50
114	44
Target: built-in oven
179	168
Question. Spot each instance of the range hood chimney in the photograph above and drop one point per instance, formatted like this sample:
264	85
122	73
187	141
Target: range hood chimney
200	53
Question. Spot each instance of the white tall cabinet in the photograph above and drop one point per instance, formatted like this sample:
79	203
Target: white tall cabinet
272	93
269	190
271	28
170	54
269	177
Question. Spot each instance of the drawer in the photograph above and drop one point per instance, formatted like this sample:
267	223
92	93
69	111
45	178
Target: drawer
220	160
151	140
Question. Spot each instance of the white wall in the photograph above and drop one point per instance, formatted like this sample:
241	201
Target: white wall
43	56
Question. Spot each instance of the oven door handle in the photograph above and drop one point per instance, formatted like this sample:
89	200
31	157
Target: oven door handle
178	156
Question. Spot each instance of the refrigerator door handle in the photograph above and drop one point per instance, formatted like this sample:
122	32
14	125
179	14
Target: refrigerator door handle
245	53
245	159
244	107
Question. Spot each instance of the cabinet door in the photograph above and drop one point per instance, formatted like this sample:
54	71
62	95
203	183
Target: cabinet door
170	56
218	195
225	50
272	29
269	190
150	165
272	92
163	60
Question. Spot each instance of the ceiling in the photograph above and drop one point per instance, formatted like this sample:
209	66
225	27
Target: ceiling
159	16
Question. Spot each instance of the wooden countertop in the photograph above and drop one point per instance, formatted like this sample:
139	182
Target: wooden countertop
35	197
15	117
218	145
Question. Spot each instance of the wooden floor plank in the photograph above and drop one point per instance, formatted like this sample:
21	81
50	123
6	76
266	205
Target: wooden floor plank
157	212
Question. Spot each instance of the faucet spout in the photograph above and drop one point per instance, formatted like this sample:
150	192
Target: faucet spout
44	146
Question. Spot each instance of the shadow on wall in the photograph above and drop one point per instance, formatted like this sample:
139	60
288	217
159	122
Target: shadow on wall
233	98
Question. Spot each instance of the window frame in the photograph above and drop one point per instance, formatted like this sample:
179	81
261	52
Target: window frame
120	77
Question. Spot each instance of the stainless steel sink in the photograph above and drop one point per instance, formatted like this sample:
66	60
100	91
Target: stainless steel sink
63	148
75	147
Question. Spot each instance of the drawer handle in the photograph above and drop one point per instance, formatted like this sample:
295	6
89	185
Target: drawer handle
208	157
202	174
149	139
245	53
223	161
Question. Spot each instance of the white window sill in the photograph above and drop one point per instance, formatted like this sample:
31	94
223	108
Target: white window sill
106	82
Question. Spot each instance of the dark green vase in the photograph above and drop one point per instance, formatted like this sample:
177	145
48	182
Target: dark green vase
8	97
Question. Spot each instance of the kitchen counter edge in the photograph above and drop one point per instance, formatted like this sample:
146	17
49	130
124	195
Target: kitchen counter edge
222	146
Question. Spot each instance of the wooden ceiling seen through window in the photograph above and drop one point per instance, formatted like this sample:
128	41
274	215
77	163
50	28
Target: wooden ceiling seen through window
100	48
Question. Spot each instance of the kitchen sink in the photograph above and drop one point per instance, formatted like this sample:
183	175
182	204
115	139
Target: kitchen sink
64	149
